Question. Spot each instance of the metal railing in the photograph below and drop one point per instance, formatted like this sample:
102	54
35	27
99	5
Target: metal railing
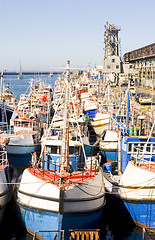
37	236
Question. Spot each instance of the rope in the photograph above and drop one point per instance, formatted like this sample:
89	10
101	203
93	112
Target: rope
49	129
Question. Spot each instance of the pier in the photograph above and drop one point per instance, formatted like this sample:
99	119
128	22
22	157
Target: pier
32	73
143	61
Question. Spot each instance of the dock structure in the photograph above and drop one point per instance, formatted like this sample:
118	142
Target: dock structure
144	53
143	60
111	53
116	72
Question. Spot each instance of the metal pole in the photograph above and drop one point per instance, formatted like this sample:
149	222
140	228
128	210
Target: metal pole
119	152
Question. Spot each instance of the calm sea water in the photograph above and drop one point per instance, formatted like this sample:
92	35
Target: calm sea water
20	86
114	225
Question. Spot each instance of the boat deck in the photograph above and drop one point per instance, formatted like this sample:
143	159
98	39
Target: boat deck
3	166
67	179
146	165
20	132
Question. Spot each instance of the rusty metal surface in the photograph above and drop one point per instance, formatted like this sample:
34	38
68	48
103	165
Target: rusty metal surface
146	52
84	234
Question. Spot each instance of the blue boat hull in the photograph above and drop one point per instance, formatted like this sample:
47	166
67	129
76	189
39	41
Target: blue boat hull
91	113
19	149
143	212
19	160
110	155
49	221
21	155
8	113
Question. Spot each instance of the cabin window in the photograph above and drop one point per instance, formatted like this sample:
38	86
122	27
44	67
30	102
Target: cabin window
71	150
54	149
130	147
141	147
34	139
135	147
76	150
153	147
148	147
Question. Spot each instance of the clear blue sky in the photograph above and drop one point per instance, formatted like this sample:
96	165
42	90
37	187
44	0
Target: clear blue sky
45	33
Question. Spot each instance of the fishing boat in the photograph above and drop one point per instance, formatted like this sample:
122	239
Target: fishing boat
109	145
22	138
90	108
66	191
51	74
41	96
132	182
20	75
138	192
8	102
8	177
101	122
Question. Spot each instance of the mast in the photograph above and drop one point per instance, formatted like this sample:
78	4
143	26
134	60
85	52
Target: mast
119	152
20	70
1	97
31	86
65	138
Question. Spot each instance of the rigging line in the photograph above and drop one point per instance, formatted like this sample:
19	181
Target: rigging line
49	129
90	193
78	126
144	150
36	192
48	181
147	182
131	190
92	186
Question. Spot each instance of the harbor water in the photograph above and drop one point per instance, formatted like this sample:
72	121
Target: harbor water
115	224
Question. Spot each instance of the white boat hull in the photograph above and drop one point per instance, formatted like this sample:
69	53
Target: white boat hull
82	203
6	191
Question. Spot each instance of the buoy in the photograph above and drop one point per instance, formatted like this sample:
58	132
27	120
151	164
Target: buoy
131	131
147	108
135	131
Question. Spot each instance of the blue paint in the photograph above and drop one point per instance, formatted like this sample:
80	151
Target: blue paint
108	167
91	113
142	211
21	155
128	148
19	160
44	220
52	161
110	155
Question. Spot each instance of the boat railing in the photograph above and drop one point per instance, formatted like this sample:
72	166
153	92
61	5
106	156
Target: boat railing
3	158
57	232
5	128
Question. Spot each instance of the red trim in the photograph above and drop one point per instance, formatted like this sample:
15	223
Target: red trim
23	120
3	166
68	180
